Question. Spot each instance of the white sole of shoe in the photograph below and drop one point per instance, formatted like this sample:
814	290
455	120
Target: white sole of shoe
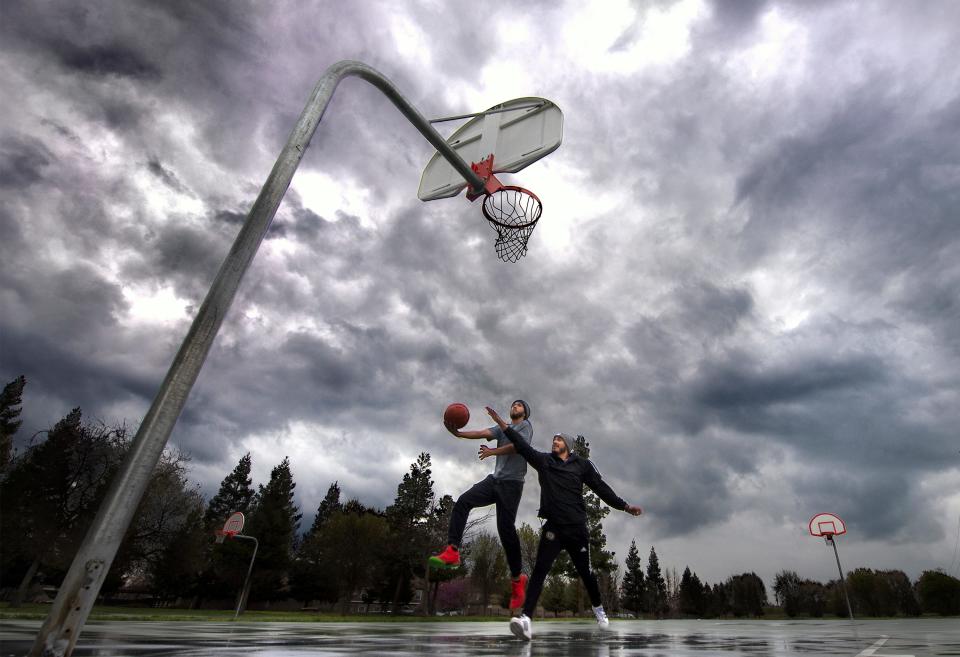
517	629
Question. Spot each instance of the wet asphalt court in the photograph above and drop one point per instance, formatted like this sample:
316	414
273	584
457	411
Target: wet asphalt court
558	639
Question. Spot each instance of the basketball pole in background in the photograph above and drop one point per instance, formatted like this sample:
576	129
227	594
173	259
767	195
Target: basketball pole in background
77	594
829	539
826	526
231	529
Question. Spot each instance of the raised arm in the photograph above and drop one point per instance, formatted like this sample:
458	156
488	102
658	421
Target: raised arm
595	482
522	447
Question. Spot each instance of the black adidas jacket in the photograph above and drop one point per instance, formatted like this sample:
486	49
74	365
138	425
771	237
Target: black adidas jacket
561	483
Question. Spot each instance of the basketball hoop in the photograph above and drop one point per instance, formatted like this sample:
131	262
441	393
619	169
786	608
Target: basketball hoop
223	535
511	211
826	526
505	139
232	527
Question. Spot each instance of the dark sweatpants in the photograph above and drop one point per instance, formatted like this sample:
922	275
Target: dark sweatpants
575	539
506	495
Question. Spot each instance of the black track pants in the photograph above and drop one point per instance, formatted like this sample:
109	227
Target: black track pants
553	538
506	495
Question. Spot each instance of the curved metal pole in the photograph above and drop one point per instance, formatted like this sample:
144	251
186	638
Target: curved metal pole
81	586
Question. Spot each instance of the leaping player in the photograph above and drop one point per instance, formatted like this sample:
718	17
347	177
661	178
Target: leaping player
562	475
503	488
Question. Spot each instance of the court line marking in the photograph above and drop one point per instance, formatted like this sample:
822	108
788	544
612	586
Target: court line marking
872	650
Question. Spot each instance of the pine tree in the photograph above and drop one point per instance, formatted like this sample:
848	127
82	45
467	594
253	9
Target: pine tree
634	585
10	401
274	522
328	506
227	562
690	596
410	536
656	588
235	494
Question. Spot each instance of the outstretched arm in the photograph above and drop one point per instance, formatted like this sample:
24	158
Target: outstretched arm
596	483
530	455
481	434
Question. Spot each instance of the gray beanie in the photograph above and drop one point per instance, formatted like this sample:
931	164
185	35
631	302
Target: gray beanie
526	407
567	440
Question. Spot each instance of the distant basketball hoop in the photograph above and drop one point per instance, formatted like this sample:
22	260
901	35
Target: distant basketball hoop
826	526
232	527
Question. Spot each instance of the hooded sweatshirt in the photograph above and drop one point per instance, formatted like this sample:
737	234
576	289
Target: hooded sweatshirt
561	483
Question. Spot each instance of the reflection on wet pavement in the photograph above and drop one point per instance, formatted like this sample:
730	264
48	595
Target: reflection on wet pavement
918	637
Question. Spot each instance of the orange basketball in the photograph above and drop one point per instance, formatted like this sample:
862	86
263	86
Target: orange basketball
457	415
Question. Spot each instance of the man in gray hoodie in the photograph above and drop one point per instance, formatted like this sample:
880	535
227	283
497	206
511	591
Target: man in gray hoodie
503	488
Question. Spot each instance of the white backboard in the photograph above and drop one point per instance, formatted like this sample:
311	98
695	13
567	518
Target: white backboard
529	129
826	523
234	523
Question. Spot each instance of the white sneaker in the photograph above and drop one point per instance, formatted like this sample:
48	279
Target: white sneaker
521	627
602	621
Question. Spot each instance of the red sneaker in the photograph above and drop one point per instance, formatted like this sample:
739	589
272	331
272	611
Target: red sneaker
449	558
518	591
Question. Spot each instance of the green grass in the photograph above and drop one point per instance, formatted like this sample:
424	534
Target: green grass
39	612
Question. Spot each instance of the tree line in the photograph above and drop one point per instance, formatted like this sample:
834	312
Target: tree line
353	557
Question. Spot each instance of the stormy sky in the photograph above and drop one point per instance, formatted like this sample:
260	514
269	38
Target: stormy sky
743	289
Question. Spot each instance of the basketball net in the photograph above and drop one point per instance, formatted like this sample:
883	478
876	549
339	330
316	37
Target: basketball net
511	211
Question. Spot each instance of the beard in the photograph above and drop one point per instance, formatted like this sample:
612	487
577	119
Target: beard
516	415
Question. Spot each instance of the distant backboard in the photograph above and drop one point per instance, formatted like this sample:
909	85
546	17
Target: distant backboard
234	523
824	524
517	133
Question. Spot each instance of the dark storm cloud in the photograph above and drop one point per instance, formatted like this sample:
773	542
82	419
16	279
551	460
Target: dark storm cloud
230	217
54	365
184	255
22	161
168	177
78	37
109	59
738	384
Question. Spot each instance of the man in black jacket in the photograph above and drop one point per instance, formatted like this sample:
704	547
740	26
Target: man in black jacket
562	475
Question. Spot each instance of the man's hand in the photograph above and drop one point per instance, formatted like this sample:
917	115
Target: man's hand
633	510
496	417
485	452
452	429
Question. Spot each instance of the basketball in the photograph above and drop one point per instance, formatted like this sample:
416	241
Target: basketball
457	415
